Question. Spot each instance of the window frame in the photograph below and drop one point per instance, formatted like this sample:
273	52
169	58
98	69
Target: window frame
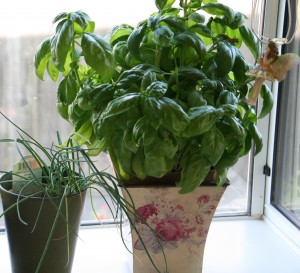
272	215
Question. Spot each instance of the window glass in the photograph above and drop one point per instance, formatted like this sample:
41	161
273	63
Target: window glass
237	196
30	103
286	190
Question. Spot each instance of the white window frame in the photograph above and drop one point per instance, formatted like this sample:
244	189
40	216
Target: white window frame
262	184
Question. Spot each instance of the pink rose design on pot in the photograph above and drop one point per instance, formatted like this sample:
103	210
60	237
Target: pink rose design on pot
170	229
146	211
199	219
203	199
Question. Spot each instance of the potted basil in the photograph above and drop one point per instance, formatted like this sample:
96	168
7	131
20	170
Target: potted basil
166	98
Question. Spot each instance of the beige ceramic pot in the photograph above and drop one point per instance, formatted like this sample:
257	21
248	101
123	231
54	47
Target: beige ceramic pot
177	228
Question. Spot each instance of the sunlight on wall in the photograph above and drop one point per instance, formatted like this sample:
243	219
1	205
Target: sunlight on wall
35	16
18	18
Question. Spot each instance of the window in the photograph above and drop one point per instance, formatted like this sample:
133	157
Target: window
31	103
286	189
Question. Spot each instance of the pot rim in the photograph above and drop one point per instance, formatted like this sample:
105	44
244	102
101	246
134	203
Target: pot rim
8	191
168	180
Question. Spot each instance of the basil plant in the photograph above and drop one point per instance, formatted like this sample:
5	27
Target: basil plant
166	95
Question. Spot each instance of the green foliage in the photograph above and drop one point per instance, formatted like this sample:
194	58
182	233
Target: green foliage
166	95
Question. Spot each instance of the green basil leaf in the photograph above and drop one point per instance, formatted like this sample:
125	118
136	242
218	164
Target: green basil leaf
127	120
234	37
174	118
138	164
213	145
170	11
219	10
268	101
192	40
157	89
195	168
101	95
90	27
153	111
123	155
77	116
250	40
62	109
257	138
148	78
120	105
147	54
68	64
247	145
83	99
240	68
156	166
209	1
60	16
227	97
163	4
94	148
42	57
129	78
129	141
197	18
238	21
120	51
202	30
165	144
211	84
195	99
104	129
97	54
202	119
172	20
52	70
191	73
120	33
159	157
80	18
225	59
250	116
84	133
226	130
75	113
143	133
61	43
147	67
229	159
131	61
193	4
217	27
236	128
229	109
153	22
221	176
67	90
134	41
162	36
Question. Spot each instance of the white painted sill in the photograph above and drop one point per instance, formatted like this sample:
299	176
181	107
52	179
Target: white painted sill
237	246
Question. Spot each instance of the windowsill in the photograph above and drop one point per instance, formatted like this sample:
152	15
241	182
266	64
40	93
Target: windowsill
237	246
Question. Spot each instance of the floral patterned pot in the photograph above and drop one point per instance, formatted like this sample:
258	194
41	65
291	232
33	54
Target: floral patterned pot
177	227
